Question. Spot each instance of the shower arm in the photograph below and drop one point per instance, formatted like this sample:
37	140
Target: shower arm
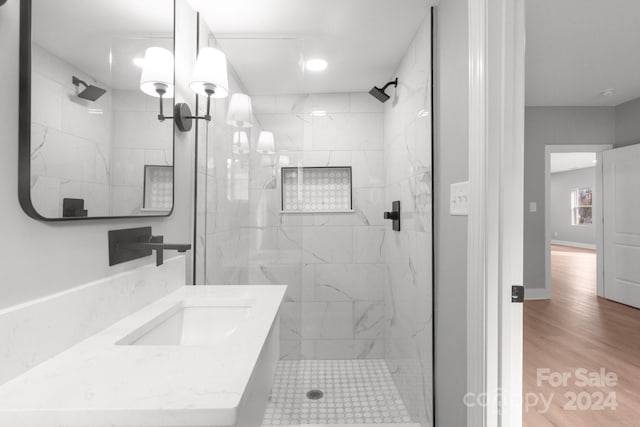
76	82
394	83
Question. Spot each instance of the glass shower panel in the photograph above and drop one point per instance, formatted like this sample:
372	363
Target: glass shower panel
356	323
243	238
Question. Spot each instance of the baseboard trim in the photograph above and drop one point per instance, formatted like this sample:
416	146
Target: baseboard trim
574	244
536	294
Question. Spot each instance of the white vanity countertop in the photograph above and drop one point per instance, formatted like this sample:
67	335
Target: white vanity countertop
98	383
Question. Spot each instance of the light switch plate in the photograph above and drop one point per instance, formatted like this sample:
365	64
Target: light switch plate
533	207
459	199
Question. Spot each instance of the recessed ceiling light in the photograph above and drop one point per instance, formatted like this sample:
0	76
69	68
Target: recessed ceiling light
316	64
607	92
139	62
319	113
595	161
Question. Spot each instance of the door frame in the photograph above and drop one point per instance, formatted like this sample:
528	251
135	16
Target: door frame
496	211
546	293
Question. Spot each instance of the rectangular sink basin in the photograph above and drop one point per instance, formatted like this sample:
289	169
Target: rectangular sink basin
199	356
190	325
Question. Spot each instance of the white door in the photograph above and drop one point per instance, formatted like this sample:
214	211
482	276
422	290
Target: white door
621	218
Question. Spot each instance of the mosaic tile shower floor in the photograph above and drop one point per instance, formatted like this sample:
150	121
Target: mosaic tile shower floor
355	392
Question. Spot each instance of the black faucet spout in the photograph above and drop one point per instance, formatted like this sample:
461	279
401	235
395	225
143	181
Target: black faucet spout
125	245
156	244
180	247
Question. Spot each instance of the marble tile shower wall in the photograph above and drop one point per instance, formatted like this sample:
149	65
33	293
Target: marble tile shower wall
333	263
91	150
63	123
139	139
408	253
223	185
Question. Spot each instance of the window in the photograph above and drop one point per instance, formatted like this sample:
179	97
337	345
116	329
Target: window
581	206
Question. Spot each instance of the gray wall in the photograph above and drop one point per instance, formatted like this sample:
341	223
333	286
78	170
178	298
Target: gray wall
628	123
40	258
562	184
451	166
553	126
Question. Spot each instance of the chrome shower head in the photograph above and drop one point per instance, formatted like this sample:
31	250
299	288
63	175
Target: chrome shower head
380	94
90	92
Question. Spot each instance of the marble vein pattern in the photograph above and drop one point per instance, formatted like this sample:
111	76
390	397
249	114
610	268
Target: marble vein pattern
408	318
339	255
248	240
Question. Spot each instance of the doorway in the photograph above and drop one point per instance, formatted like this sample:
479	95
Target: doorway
576	93
573	208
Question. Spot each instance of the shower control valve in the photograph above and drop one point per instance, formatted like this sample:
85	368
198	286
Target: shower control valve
394	215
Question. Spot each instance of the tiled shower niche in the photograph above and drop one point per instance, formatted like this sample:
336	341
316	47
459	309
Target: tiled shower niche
316	189
158	187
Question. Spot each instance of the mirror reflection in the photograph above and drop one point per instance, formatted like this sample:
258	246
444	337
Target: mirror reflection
97	147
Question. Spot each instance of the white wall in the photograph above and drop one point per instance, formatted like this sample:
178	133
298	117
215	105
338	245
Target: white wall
562	184
39	258
553	126
451	166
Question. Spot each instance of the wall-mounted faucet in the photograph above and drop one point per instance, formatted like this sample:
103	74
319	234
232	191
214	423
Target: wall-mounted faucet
133	243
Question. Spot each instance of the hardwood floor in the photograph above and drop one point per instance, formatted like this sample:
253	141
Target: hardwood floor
576	329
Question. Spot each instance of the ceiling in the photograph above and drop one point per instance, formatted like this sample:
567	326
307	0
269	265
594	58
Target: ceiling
103	37
267	41
562	162
577	49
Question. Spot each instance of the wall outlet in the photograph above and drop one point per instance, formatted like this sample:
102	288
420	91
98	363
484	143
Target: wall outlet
459	199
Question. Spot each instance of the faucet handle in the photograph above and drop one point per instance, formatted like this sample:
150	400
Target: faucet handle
159	252
391	215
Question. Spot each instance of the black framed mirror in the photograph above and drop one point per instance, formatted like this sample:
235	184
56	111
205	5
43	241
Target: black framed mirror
89	136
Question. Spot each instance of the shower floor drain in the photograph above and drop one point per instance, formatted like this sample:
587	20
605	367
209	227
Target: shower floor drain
315	394
356	392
